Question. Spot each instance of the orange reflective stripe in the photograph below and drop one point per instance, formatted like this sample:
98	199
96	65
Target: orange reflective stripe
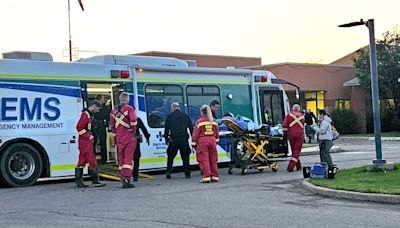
127	167
82	132
294	159
296	120
120	120
134	123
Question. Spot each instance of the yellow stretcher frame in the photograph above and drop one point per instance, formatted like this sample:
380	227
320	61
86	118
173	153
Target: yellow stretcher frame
254	144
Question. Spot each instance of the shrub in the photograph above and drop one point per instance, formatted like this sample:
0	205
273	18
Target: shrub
345	121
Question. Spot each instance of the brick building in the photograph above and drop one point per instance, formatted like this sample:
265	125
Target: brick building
323	86
219	61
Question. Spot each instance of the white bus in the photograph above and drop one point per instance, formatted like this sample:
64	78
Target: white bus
41	102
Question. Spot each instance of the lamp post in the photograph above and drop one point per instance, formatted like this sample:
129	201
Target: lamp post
374	86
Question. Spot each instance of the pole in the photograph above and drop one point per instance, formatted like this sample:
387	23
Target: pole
375	93
69	30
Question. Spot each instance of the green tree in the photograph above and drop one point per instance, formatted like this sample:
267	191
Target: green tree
388	55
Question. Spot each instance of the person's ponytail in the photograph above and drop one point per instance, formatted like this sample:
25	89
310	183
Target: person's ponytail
206	111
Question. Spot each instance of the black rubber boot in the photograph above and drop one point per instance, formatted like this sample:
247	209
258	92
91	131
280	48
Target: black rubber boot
127	184
79	178
94	174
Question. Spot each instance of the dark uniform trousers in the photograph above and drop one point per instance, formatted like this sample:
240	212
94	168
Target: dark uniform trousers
136	162
100	135
184	149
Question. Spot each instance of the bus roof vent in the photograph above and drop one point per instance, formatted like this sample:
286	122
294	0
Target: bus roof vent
26	55
191	63
136	60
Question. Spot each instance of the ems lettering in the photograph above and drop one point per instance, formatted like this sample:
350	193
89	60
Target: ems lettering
51	105
13	109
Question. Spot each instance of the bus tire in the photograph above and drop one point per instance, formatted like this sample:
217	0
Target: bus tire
20	165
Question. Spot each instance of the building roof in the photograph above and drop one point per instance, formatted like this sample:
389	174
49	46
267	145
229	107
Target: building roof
348	59
352	82
206	60
299	64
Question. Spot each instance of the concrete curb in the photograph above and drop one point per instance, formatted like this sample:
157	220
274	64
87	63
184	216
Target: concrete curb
371	197
345	138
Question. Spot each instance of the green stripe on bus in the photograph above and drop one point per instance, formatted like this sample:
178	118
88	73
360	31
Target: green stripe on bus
177	158
99	78
139	79
62	167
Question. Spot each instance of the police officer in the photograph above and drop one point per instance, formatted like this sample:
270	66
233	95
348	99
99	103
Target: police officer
85	145
138	154
176	136
100	120
293	124
123	122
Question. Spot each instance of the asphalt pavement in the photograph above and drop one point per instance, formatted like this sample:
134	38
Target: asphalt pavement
264	199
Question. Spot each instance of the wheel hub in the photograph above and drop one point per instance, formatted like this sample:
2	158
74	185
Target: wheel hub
21	165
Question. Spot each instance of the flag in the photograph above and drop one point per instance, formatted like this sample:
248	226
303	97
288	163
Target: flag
80	3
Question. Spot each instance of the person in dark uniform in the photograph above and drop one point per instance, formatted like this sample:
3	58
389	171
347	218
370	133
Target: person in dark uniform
310	119
137	154
100	123
215	105
176	136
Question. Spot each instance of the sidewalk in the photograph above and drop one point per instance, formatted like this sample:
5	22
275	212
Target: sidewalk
372	197
368	138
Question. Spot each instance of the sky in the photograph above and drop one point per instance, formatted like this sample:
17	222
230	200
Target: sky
302	31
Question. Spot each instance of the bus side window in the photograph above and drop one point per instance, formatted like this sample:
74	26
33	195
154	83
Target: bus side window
198	95
159	98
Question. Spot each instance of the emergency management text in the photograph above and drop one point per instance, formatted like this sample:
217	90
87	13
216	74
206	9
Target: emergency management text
42	125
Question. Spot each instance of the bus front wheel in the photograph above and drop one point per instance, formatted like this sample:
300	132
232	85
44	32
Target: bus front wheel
20	165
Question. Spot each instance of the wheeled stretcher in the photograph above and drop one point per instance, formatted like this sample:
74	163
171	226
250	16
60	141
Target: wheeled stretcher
248	148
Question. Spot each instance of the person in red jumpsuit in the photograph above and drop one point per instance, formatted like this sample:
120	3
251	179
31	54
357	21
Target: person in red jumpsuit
123	122
294	126
85	145
204	141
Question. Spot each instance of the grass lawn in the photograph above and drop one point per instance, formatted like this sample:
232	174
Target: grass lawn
383	134
359	180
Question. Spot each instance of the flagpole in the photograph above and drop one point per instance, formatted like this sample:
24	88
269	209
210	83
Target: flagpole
69	29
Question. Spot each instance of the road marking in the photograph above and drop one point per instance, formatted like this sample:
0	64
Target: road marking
350	153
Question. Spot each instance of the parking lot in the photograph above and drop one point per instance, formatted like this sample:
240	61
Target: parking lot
256	199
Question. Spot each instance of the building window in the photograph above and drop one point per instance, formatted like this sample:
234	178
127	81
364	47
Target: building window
386	104
158	102
315	100
199	95
342	104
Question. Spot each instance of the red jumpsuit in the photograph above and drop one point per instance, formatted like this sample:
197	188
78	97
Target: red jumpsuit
205	137
294	125
85	141
123	123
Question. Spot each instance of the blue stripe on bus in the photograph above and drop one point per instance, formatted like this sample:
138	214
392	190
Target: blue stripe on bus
65	91
142	106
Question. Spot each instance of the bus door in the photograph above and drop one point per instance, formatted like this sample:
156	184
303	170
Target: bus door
107	93
271	106
272	110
